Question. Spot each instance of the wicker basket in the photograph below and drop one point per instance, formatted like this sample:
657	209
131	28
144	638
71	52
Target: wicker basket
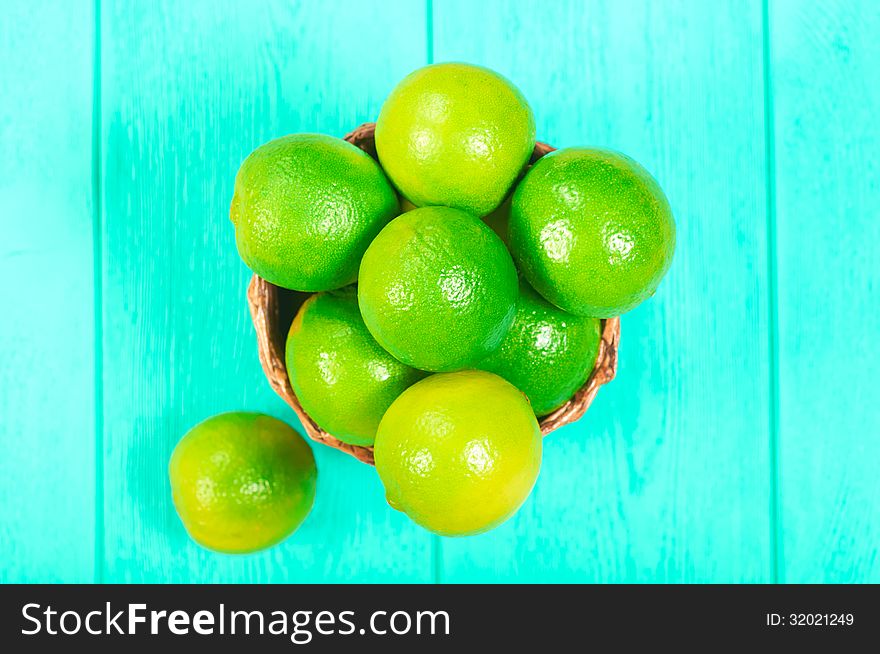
273	308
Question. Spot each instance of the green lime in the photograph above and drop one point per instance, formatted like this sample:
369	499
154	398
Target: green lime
344	380
437	289
242	482
459	452
305	208
455	135
592	231
548	353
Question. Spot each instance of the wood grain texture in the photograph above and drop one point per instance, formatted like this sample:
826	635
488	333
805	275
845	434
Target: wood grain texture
667	478
672	476
47	405
824	60
188	92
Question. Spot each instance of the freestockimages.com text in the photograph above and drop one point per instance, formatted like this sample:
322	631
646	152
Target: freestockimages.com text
299	626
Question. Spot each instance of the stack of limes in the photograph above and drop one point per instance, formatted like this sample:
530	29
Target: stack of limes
458	290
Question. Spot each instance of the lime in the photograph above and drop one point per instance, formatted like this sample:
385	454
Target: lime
242	482
548	353
592	231
343	379
437	289
455	135
305	208
459	452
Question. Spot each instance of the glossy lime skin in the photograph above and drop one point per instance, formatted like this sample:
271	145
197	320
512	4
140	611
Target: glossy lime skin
455	135
592	231
548	353
305	208
344	380
459	452
437	289
242	482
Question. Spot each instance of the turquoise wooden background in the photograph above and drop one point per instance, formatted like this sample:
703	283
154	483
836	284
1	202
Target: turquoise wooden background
741	440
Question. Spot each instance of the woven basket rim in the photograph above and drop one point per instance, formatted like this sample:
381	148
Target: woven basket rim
263	302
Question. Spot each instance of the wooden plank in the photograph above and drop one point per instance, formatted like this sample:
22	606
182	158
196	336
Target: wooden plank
189	90
47	402
667	478
825	92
